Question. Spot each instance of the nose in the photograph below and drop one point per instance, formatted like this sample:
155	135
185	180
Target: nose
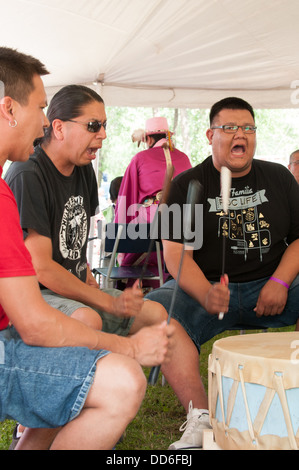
101	134
240	132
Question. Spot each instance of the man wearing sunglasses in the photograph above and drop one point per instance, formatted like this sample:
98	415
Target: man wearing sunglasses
57	194
55	371
261	230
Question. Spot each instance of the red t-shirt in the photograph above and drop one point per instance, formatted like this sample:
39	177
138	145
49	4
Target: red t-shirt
15	259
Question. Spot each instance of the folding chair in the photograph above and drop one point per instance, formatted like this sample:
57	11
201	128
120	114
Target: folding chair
129	238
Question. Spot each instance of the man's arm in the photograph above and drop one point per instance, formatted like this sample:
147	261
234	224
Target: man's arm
56	278
214	298
90	279
273	296
41	325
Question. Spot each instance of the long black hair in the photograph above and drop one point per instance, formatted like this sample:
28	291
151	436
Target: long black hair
67	104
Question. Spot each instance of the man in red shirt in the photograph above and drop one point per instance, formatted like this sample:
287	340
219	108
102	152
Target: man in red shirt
50	375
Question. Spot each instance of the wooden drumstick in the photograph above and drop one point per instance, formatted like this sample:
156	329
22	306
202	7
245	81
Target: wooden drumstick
192	198
225	182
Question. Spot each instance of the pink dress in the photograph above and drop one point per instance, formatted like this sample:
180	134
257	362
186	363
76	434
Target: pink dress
142	181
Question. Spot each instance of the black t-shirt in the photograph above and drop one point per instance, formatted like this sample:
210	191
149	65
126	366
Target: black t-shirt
263	218
56	206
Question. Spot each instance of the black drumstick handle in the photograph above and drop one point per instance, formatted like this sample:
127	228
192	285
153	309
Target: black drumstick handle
192	198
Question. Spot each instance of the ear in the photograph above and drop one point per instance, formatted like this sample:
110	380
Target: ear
58	128
209	135
149	141
7	106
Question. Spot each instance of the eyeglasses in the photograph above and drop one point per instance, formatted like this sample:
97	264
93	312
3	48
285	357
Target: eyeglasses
92	126
234	129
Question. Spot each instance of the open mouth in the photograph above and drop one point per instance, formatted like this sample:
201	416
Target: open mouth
238	150
92	151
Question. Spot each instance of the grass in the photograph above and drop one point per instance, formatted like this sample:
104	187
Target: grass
158	421
157	424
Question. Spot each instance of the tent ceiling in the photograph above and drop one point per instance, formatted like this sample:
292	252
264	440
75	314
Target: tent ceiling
172	53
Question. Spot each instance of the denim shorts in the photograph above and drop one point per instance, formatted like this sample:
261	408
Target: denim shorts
202	326
43	387
111	323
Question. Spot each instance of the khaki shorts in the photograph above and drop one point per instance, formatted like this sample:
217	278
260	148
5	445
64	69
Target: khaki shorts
111	324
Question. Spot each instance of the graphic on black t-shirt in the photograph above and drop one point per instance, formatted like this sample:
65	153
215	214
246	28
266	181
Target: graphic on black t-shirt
245	224
73	229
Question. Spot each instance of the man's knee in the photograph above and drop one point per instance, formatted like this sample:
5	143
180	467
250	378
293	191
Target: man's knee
151	314
135	383
155	312
119	380
88	316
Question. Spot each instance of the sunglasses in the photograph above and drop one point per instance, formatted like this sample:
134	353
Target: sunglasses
91	126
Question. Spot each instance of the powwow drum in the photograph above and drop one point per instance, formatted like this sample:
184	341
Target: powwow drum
254	391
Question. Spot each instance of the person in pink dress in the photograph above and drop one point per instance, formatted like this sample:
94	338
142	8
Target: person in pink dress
141	187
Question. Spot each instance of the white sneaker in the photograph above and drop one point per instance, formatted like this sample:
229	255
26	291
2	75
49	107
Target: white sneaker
197	421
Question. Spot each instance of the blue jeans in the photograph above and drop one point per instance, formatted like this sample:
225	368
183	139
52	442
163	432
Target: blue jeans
43	387
202	326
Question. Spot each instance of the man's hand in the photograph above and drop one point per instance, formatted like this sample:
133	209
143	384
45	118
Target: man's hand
217	297
272	299
153	345
129	303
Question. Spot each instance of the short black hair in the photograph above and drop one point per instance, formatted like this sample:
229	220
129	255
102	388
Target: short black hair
156	138
229	103
114	188
16	73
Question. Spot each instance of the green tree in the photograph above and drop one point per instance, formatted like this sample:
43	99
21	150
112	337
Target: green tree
277	135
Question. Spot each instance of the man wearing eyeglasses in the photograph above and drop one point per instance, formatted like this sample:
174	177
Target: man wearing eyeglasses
261	230
293	165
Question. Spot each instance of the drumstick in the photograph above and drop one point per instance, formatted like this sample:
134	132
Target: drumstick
225	182
192	198
164	197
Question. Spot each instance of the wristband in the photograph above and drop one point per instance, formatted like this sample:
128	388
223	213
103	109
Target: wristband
280	282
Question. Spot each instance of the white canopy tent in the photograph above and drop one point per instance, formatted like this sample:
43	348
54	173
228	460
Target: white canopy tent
163	53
